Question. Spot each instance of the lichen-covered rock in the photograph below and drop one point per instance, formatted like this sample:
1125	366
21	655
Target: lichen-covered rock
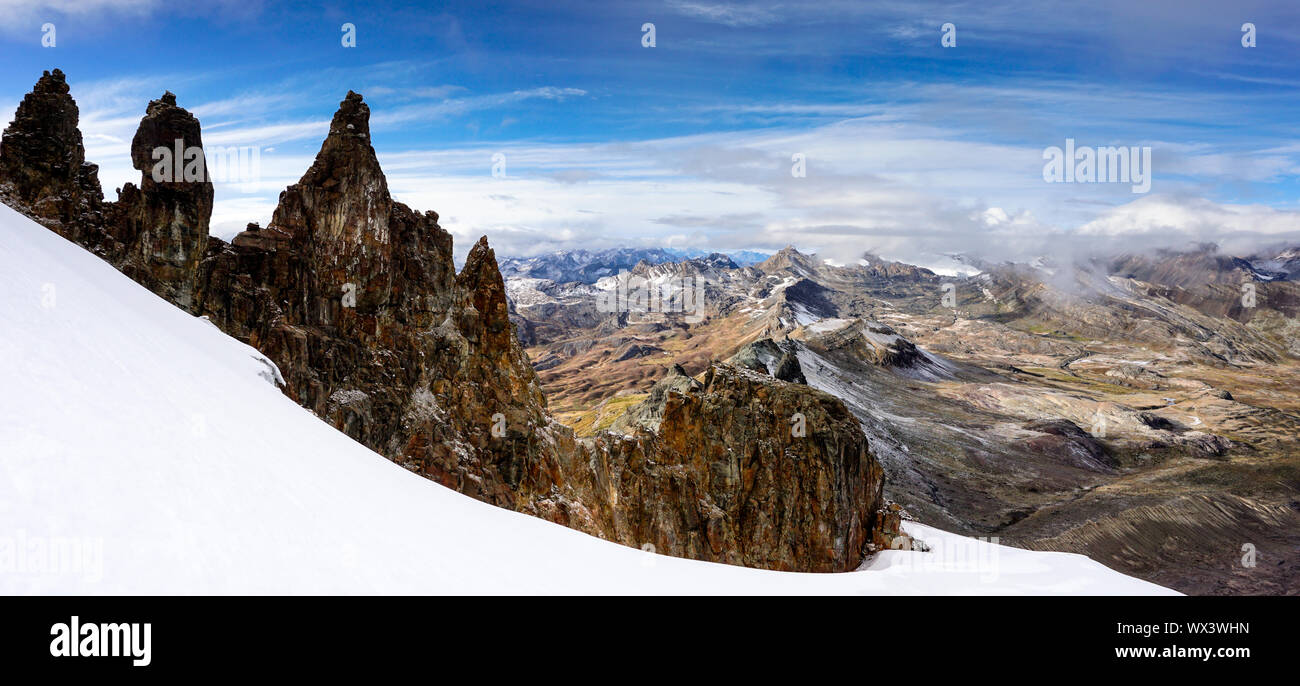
889	534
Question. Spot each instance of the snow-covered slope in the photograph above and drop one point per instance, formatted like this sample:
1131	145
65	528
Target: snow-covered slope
159	450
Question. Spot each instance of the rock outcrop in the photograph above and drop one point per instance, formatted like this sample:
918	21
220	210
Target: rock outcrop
788	369
43	166
649	413
780	475
355	297
162	224
155	232
1064	440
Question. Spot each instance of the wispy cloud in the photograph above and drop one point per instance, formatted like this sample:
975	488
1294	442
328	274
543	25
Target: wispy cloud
910	149
461	105
889	183
18	15
729	14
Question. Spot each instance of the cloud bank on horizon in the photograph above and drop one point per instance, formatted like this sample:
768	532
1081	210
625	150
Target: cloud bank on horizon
837	126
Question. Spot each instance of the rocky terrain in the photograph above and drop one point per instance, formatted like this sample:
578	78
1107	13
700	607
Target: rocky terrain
355	298
1139	409
588	266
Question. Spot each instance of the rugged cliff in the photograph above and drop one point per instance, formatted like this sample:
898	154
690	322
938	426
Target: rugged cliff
43	167
162	225
355	297
155	232
781	474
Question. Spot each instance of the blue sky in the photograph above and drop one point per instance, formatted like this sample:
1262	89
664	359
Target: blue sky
912	150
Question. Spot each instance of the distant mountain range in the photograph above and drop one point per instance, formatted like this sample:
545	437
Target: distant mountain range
355	303
1125	406
1140	409
588	266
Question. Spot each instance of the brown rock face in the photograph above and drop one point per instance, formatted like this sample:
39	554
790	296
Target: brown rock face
748	470
162	225
43	165
356	299
156	232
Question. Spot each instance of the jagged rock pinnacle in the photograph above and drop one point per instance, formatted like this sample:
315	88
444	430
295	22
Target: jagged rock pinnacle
42	161
346	163
356	299
481	281
163	124
352	117
163	225
51	82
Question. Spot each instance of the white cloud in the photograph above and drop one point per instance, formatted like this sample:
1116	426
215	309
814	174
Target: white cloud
29	14
729	14
1161	220
906	192
892	178
463	105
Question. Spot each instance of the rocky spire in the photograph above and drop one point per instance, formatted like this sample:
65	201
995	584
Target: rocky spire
356	299
341	224
43	164
344	190
485	291
170	128
347	146
162	225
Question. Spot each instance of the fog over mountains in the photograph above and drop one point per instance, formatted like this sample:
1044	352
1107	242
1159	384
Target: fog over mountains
1127	407
512	297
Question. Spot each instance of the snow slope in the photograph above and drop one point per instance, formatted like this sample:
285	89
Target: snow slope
159	451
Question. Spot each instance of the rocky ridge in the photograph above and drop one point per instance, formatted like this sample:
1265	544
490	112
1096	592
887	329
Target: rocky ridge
355	297
1032	402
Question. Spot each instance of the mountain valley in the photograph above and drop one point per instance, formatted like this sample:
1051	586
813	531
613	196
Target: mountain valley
1130	408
